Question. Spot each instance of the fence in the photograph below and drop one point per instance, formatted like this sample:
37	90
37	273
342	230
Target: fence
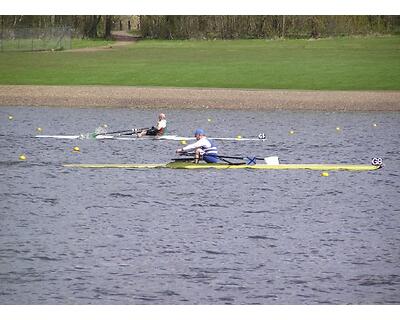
35	39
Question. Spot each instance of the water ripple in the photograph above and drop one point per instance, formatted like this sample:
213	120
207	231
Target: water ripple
70	236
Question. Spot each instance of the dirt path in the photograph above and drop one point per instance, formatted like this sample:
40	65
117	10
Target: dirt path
111	46
159	97
121	38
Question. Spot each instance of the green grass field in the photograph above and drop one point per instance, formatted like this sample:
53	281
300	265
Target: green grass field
371	63
86	43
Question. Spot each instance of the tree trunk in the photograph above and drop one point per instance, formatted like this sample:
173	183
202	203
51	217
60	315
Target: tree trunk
91	23
107	32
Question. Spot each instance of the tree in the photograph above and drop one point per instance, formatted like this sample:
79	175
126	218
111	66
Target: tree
90	26
108	25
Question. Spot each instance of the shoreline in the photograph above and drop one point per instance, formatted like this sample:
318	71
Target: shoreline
197	98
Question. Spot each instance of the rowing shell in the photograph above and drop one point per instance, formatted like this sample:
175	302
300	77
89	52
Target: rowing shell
185	165
166	137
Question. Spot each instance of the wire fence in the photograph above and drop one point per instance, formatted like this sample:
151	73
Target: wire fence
35	39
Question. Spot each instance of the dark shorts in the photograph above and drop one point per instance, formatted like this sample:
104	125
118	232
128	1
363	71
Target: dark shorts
210	158
152	132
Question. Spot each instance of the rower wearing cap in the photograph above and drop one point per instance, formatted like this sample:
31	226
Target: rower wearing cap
205	148
158	130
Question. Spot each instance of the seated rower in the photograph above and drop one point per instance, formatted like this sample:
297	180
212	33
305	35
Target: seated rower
159	128
205	149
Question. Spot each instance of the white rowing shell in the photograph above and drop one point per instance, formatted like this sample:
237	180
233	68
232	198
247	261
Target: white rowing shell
166	137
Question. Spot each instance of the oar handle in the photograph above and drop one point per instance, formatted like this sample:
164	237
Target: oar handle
249	160
139	129
113	132
226	157
129	131
239	158
136	130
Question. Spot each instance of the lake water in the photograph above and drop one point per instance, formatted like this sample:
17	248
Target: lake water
115	236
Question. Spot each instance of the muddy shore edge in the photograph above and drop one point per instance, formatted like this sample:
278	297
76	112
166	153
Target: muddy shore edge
197	98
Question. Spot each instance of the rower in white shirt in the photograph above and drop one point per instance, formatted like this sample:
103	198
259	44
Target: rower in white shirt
205	149
158	130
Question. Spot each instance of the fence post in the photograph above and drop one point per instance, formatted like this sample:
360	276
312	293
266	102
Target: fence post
70	37
2	34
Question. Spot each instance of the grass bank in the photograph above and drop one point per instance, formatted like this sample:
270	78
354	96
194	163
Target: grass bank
86	43
328	64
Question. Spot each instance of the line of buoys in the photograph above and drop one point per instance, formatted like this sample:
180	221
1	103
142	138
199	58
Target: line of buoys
337	128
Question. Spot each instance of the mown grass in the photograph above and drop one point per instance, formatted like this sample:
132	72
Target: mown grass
88	43
371	63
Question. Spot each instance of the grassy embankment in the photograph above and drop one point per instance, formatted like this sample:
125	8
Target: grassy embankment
371	63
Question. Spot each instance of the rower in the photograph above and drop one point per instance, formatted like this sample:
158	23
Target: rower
158	130
205	149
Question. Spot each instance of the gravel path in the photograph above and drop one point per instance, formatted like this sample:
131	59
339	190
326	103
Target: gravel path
159	97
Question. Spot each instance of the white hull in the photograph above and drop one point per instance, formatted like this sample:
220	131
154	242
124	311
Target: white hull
132	138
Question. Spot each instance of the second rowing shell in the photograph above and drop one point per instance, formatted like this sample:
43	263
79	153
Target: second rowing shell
166	137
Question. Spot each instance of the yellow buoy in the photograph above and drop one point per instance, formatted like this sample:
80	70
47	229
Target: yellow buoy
183	142
105	126
325	174
76	149
10	117
337	128
22	157
39	129
375	125
209	120
291	132
239	137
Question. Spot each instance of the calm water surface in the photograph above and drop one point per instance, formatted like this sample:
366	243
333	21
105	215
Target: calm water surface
115	236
